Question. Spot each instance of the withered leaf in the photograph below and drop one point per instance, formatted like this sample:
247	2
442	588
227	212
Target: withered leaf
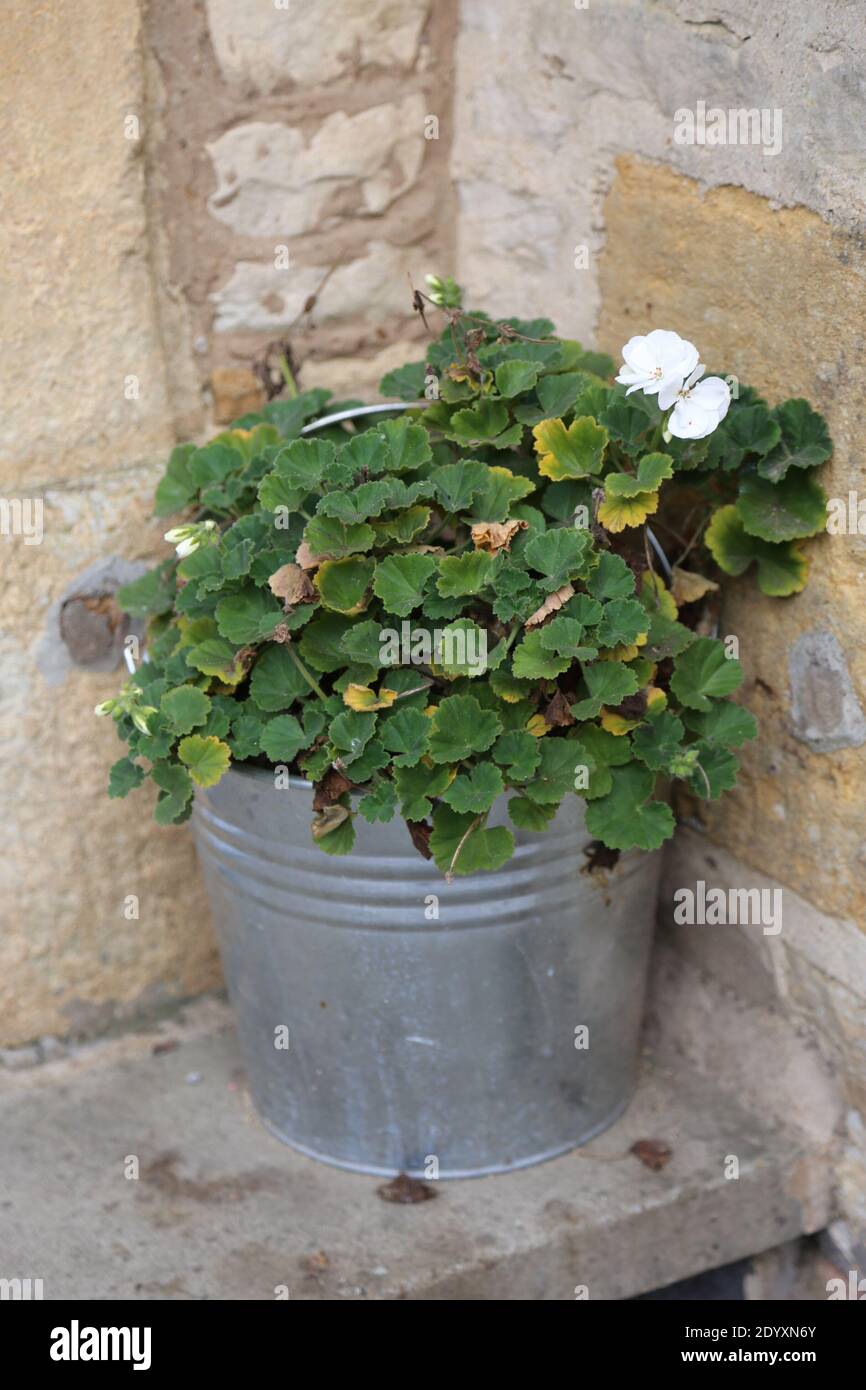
551	604
558	711
599	857
332	786
405	1190
306	559
688	587
653	1153
420	831
328	820
292	585
494	536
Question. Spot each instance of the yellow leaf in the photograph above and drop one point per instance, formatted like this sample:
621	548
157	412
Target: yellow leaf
615	724
616	513
656	700
361	697
688	587
663	602
537	726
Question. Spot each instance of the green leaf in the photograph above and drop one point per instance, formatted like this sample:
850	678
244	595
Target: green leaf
476	790
575	452
215	657
400	579
461	727
416	786
612	578
752	429
626	423
528	815
456	484
282	739
406	733
534	661
805	441
625	818
370	499
327	536
460	649
516	376
362	644
788	510
656	742
408	445
124	777
565	636
340	840
321	644
248	616
556	770
704	672
519	752
480	849
486	423
206	758
350	732
558	394
185	707
151	595
560	554
652	470
214	463
406	383
176	789
608	683
177	487
623	622
724	723
245	738
465	574
405	526
380	803
782	569
716	771
276	681
501	490
342	584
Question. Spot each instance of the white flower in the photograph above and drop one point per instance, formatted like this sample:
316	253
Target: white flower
658	363
701	406
188	538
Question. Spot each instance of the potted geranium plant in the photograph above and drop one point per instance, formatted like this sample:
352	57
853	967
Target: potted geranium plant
489	614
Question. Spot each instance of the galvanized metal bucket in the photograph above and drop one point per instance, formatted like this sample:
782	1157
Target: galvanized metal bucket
390	1022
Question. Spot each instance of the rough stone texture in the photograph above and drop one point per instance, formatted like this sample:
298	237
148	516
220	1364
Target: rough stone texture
797	814
533	158
273	183
272	44
825	711
220	1209
80	322
297	175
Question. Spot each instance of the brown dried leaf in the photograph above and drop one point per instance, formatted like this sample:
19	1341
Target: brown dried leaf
406	1190
653	1153
688	587
599	858
420	832
557	712
551	604
328	820
306	559
292	585
494	536
332	786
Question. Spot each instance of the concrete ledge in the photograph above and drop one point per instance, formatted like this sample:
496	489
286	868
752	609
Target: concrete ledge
223	1211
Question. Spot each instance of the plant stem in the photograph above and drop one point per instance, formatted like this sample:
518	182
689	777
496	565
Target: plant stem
304	672
449	877
291	384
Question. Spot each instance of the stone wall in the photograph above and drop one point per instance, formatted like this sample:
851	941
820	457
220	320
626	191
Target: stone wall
190	182
182	180
577	198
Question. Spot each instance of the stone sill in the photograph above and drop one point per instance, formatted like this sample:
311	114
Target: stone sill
223	1211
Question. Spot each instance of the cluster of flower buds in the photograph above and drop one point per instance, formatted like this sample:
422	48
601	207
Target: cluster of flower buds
190	537
128	702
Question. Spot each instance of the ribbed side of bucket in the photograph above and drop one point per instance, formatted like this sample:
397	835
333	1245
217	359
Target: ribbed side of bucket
461	1029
